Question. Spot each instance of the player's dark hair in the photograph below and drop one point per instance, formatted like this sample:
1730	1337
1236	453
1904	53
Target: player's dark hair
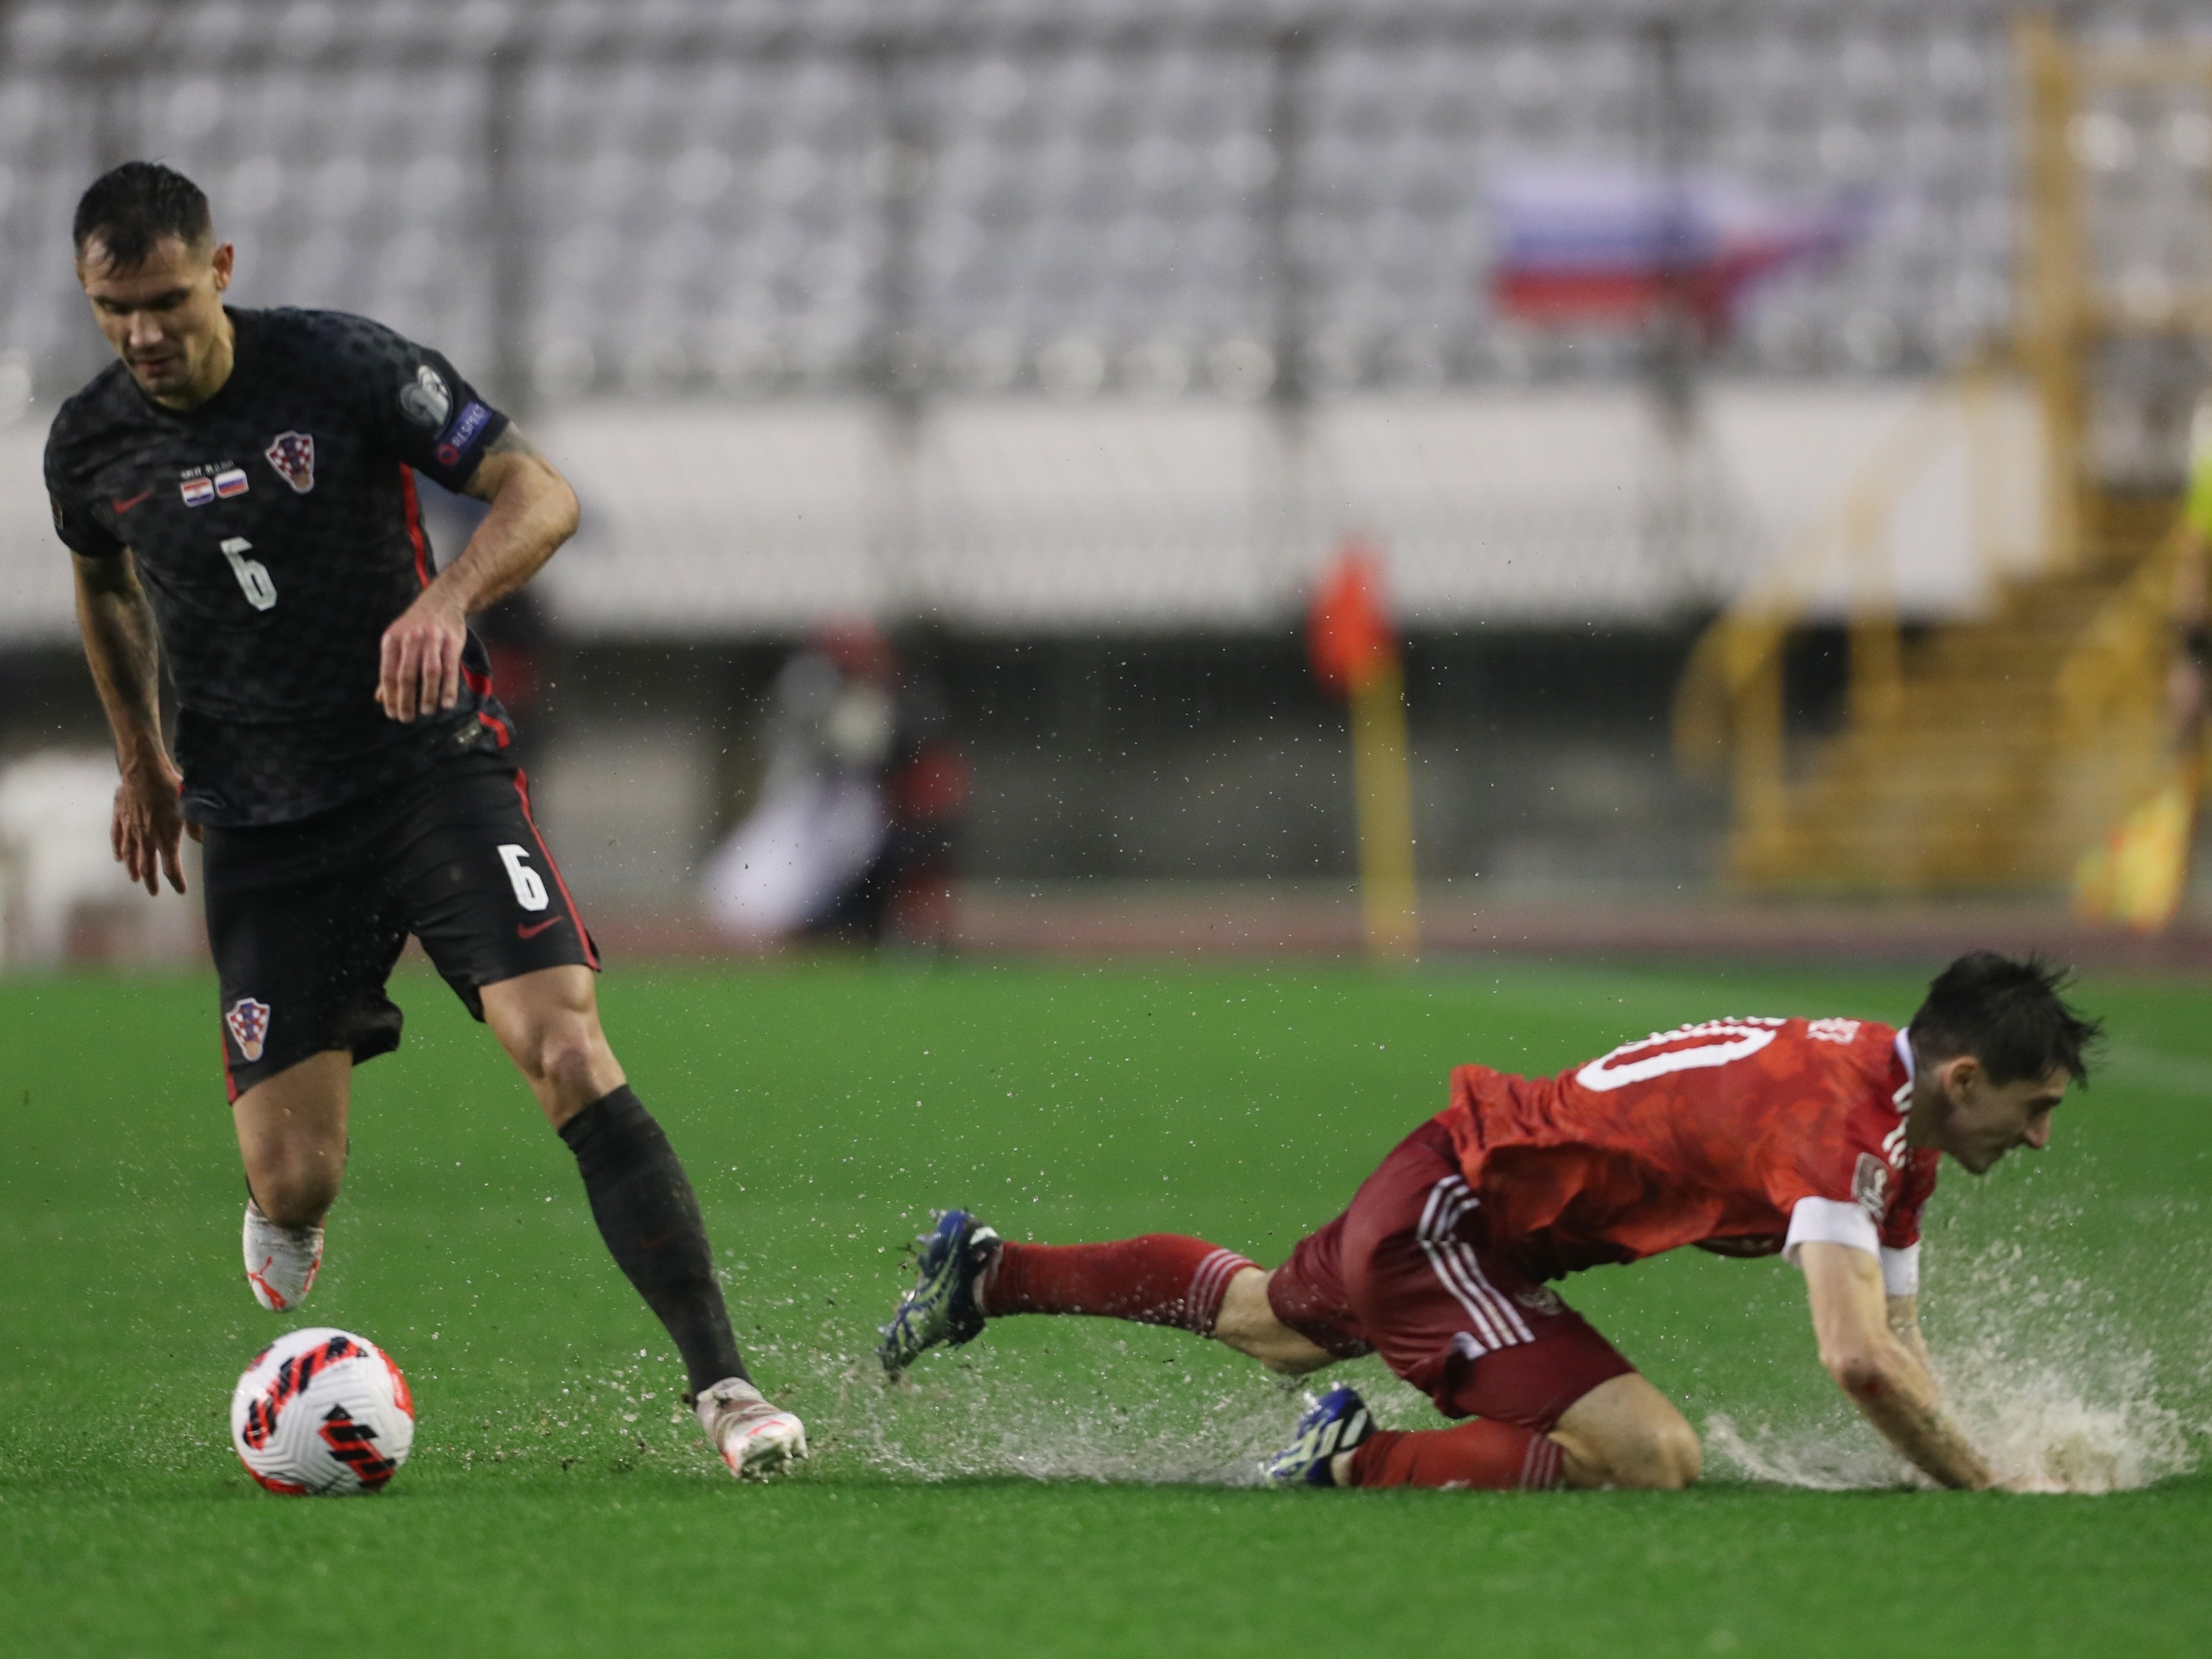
2007	1014
130	208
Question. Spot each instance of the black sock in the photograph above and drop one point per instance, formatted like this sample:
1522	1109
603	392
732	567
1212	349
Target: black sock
643	1203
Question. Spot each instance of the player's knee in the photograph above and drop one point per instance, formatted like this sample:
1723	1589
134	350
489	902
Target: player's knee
564	1057
1664	1456
295	1192
1247	1324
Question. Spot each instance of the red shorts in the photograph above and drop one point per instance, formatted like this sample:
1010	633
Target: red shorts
1407	1271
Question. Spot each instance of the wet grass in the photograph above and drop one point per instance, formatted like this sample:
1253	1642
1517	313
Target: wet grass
555	1505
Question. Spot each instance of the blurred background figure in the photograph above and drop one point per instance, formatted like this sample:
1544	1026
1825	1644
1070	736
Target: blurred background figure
852	838
62	893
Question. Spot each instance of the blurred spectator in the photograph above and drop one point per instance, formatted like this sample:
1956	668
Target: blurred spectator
852	836
58	871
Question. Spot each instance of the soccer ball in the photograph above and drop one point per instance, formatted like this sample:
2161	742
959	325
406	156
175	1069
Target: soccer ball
322	1411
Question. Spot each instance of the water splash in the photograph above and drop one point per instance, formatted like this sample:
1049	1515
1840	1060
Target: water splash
1146	1418
2041	1372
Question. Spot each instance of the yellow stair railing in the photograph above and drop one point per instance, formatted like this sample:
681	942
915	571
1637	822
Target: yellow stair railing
1990	752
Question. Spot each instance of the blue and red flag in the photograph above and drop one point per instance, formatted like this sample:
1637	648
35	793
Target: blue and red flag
1584	244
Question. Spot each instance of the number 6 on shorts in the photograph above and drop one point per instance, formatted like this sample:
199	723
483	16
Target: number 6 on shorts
529	885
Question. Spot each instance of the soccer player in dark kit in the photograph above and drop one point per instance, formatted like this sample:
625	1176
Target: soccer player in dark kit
238	493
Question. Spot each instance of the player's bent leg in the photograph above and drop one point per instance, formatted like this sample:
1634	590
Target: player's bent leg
548	1021
1624	1432
292	1139
549	1024
1246	1322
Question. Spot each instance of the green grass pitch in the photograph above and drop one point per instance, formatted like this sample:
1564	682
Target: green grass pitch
1062	1487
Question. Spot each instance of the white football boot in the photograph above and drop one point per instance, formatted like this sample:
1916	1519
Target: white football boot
755	1439
281	1262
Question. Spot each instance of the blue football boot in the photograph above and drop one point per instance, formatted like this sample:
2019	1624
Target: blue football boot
1339	1421
941	1307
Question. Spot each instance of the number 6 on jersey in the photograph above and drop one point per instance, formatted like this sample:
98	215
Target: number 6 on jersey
252	575
529	885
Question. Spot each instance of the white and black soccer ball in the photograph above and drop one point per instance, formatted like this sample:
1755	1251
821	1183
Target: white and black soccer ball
322	1411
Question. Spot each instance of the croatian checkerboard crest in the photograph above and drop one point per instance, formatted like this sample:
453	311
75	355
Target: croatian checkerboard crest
293	455
248	1021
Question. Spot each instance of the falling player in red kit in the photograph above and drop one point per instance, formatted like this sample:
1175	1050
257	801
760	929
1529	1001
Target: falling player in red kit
1816	1138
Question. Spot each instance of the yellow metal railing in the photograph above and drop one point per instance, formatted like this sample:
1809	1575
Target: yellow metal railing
1729	708
2114	675
2068	687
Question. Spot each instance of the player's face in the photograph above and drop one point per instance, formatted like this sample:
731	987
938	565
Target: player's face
164	318
1983	1121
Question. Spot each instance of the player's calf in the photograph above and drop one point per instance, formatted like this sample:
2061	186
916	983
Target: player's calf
292	1138
968	1274
1478	1456
648	1218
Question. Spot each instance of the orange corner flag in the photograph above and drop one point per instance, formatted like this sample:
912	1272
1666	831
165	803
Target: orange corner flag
1348	632
1355	656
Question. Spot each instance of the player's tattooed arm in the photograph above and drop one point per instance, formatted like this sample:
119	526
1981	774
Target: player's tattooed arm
532	512
122	648
1876	1368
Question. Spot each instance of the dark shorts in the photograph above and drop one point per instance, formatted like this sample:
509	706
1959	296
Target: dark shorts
1407	1271
306	919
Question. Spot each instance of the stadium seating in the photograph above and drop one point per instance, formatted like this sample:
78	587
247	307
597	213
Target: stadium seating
767	198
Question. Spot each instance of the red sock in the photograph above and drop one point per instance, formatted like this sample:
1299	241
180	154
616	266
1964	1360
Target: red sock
1483	1454
1162	1278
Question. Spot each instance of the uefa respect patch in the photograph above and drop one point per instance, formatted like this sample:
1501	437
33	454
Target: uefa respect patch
467	425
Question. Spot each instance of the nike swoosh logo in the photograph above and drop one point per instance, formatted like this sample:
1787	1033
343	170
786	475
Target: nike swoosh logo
122	507
520	932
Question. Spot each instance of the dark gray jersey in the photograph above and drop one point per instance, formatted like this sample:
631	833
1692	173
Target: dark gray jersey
275	530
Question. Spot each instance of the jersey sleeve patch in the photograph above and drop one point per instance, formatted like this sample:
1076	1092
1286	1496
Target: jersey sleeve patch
1870	1187
421	411
1824	1221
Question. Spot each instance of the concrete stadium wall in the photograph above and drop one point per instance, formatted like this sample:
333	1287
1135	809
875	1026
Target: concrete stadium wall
1547	506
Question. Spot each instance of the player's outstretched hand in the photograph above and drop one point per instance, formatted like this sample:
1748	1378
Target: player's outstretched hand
421	669
149	820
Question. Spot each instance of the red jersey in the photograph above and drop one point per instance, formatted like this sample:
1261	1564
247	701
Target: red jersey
1710	1134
